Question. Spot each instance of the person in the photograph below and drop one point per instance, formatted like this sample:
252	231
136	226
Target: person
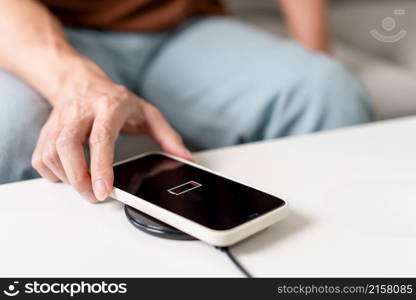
76	74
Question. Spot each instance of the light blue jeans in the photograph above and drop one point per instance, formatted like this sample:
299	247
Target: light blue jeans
218	81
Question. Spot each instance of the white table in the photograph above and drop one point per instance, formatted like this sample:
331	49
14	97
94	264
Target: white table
353	213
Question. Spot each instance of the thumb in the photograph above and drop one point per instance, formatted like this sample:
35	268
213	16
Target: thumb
165	136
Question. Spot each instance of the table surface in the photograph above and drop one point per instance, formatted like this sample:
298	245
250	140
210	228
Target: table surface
351	194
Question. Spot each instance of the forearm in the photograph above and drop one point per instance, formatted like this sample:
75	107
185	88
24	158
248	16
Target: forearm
308	22
34	47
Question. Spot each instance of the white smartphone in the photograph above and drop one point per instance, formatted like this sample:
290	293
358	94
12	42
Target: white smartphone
202	203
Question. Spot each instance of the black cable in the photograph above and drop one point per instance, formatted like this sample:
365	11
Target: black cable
227	251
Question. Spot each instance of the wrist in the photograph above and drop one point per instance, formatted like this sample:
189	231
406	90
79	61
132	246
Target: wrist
74	75
70	74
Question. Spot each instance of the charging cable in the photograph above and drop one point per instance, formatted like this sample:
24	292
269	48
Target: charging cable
227	251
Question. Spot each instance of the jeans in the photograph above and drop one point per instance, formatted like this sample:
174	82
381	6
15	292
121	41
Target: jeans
218	81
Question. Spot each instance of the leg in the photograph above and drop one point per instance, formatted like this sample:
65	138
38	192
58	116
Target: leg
22	113
121	55
221	82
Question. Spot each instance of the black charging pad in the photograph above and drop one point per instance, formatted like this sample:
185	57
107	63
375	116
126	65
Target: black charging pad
153	226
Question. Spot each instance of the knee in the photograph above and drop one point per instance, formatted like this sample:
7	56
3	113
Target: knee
22	114
342	98
337	98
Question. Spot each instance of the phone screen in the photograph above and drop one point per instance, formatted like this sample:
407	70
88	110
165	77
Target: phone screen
193	193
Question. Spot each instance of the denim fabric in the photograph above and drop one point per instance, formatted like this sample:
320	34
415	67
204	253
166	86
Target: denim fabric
218	81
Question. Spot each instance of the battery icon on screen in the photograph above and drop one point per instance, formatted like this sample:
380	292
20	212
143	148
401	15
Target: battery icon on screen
184	187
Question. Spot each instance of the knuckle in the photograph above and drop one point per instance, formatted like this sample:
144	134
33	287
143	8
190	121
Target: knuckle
108	108
101	135
106	101
37	162
50	156
113	105
44	131
121	92
66	138
73	111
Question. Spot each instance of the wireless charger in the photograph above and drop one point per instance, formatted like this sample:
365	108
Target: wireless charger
153	226
157	228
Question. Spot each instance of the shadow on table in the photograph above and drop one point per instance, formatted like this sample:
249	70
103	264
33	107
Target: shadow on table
290	226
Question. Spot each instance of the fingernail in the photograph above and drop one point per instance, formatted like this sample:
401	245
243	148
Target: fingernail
89	195
100	189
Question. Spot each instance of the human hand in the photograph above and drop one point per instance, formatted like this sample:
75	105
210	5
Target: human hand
94	111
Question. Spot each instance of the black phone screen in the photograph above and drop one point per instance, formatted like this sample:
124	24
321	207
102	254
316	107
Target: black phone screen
208	199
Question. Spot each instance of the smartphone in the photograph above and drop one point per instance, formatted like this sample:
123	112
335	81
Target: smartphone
202	203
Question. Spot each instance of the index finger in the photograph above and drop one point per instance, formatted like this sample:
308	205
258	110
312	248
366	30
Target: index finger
71	153
102	142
